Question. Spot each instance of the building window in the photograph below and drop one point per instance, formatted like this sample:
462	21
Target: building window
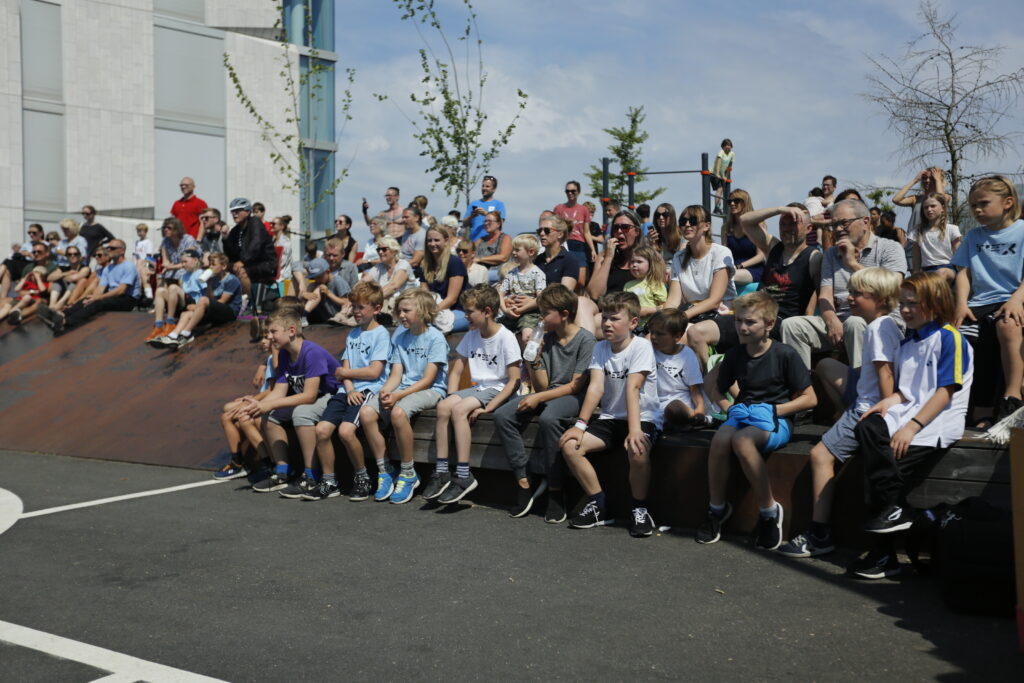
44	160
41	73
320	166
316	102
188	86
320	32
190	10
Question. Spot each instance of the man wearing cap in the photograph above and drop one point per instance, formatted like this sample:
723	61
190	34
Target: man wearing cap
479	208
251	252
326	293
120	286
188	208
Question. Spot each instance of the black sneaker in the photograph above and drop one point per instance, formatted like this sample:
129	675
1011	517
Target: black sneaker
361	490
711	530
807	545
46	314
14	317
877	564
437	485
298	489
1005	407
587	515
525	498
642	524
891	519
275	482
555	514
324	489
457	488
769	531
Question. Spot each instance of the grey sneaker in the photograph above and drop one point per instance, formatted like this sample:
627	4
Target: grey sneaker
299	489
437	485
361	490
457	489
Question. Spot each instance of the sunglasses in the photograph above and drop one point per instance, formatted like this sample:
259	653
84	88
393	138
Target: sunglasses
72	253
383	250
661	214
38	252
545	231
623	226
460	252
491	178
689	220
572	191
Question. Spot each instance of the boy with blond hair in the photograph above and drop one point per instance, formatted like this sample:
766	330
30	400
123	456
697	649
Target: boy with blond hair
770	383
520	286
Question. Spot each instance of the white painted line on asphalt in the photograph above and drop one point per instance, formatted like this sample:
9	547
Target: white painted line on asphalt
122	667
115	499
10	509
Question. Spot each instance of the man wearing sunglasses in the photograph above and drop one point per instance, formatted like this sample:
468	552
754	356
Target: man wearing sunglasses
251	252
119	291
856	247
13	267
474	220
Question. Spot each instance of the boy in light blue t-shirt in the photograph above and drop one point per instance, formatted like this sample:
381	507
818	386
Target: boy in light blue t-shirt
418	380
362	373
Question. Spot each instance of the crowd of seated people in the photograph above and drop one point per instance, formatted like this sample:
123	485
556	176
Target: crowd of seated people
651	325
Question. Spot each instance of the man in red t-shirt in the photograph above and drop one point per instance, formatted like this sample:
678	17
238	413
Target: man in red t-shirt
577	216
188	208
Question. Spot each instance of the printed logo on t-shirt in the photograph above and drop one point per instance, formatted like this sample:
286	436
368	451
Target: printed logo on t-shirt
296	383
998	249
616	374
672	370
419	351
478	354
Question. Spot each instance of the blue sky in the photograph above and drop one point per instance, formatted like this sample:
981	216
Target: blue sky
782	80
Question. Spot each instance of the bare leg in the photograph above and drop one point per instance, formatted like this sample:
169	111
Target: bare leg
307	444
403	433
833	376
353	446
277	440
371	428
746	443
324	447
580	466
823	480
678	413
640	474
443	422
461	428
719	464
1010	340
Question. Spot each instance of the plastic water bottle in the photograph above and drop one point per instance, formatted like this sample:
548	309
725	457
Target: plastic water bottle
533	346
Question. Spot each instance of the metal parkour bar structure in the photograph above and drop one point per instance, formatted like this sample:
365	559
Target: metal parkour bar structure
705	185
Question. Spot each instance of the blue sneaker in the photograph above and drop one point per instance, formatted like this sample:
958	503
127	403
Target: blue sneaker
385	486
231	471
405	488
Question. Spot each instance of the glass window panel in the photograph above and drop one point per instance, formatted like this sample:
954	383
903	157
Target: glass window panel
41	50
321	169
200	157
194	10
44	160
316	104
323	24
189	76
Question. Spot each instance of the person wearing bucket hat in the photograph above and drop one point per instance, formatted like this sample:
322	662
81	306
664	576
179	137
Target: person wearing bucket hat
251	252
326	293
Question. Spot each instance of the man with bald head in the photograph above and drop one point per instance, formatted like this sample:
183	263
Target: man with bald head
188	208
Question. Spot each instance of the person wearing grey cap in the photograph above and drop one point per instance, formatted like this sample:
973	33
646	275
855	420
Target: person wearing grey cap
326	294
250	249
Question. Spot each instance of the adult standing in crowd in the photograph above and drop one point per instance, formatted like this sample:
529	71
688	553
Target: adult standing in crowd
702	285
189	207
175	242
577	217
343	232
931	180
663	234
251	251
392	214
479	208
747	257
94	233
828	190
856	248
119	291
791	268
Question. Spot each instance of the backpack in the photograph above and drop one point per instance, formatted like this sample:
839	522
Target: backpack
970	545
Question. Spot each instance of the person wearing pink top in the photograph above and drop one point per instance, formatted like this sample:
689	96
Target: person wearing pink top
580	241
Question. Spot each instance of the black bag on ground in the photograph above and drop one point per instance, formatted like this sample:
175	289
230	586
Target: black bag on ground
971	549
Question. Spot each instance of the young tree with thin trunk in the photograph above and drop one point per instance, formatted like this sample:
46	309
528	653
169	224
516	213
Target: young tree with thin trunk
626	153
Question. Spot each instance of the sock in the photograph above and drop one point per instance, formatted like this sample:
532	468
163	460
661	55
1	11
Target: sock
462	470
639	504
281	468
441	466
186	333
159	323
236	458
171	321
717	510
360	475
820	529
408	469
770	513
149	292
173	335
309	473
598	498
330	478
382	466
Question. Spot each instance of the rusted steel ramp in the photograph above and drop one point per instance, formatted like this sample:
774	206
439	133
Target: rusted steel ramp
100	392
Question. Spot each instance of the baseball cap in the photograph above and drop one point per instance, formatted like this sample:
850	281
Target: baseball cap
194	253
317	267
240	203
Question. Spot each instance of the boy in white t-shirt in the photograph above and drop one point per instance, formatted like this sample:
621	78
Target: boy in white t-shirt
623	382
680	383
874	294
493	357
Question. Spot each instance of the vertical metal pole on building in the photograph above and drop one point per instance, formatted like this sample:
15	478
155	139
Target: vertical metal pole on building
632	189
604	190
705	183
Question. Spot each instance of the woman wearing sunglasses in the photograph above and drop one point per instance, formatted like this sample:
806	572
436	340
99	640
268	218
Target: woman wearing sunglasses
64	279
747	256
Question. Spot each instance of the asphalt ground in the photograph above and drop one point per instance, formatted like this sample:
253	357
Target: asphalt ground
222	582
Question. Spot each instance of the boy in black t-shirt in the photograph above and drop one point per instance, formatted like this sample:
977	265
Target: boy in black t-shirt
770	383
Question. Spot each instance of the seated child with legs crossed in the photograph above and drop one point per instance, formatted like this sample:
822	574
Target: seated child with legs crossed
362	373
623	381
240	429
920	421
559	375
520	287
492	355
680	383
219	302
771	384
418	380
305	373
873	293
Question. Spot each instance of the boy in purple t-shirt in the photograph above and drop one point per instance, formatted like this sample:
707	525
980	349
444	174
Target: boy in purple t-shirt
305	372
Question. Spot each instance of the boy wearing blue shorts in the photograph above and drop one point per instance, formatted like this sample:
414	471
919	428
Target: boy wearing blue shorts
770	383
362	373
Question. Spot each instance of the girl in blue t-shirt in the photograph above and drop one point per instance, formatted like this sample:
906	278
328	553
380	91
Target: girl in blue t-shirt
989	290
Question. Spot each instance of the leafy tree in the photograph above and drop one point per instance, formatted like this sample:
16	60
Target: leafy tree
289	151
945	100
626	155
880	197
450	108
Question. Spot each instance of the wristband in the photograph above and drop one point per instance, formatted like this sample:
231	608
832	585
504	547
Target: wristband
581	425
919	423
